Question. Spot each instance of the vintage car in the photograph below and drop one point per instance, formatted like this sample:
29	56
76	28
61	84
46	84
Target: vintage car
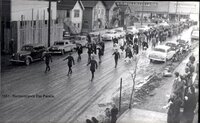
173	45
62	46
131	30
29	53
161	53
185	45
82	40
143	28
109	35
195	35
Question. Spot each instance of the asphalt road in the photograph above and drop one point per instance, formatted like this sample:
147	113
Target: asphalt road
60	98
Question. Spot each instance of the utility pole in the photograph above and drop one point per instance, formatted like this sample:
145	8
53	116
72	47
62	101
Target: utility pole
168	10
142	12
176	9
49	24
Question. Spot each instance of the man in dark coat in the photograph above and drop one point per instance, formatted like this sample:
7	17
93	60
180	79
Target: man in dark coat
93	66
189	105
173	114
79	51
116	57
89	51
135	48
70	61
102	44
100	52
47	58
114	112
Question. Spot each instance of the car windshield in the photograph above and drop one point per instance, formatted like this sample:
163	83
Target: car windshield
195	33
118	30
78	38
59	43
181	41
27	48
159	50
109	32
170	44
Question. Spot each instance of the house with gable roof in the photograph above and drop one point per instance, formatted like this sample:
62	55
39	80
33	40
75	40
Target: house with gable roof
94	18
70	12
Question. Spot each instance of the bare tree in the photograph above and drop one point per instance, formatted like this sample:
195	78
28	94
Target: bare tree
133	74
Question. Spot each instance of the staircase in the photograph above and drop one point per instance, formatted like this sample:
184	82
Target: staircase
68	25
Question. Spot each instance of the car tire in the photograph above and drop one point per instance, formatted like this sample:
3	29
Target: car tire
27	61
63	52
151	60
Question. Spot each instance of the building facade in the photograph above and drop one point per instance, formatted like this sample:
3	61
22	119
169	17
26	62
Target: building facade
94	16
26	22
71	13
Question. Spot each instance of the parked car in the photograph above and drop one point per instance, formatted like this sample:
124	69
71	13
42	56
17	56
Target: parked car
82	40
173	45
94	36
132	30
120	32
66	34
195	35
184	44
29	53
62	47
143	28
161	53
109	35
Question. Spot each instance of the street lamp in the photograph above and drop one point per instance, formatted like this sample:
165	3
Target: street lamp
142	12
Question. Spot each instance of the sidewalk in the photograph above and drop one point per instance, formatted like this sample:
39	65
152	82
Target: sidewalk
142	116
151	111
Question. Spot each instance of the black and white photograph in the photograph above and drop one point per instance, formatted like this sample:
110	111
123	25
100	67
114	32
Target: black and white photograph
97	61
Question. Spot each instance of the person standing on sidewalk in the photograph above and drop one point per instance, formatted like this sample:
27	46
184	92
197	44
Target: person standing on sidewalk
70	61
114	112
174	104
93	66
116	57
189	105
47	58
89	51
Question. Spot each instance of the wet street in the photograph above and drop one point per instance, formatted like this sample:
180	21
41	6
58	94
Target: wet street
55	97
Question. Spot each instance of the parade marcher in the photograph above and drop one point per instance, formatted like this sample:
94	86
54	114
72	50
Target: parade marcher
79	51
100	52
116	57
107	116
89	52
153	41
70	62
93	66
47	58
114	112
174	104
115	41
94	48
189	105
135	48
102	44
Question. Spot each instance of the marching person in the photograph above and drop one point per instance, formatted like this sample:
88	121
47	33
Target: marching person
47	59
79	51
102	44
89	51
100	52
135	48
116	57
70	61
93	66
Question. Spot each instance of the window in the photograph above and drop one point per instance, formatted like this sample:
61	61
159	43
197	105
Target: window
68	14
76	13
74	24
78	25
